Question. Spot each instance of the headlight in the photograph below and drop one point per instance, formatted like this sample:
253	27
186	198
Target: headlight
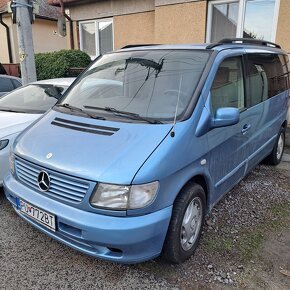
122	197
142	195
3	143
11	162
110	196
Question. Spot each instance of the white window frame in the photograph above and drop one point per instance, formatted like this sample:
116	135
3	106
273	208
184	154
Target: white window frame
96	24
241	17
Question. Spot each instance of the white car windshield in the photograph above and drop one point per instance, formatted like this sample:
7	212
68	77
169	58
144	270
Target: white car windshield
152	84
33	98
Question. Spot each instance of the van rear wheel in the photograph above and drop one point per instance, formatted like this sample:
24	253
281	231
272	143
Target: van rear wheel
186	224
276	155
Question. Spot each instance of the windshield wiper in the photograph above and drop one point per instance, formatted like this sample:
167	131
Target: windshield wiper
53	91
130	115
145	62
72	108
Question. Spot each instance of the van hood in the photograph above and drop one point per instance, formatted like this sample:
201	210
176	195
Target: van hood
96	150
11	123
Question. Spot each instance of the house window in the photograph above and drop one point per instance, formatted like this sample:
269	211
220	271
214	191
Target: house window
242	18
223	22
96	37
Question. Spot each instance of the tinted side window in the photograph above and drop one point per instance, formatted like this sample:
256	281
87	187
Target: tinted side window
228	86
266	77
6	85
286	68
16	84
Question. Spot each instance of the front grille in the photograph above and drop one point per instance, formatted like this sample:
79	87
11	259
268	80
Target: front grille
62	186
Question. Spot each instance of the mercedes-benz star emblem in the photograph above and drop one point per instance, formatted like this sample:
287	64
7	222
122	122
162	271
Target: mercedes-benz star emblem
43	181
49	155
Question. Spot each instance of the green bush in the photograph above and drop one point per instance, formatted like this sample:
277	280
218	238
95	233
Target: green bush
57	64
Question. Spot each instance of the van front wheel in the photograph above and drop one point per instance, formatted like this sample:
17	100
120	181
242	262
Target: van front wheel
276	155
186	224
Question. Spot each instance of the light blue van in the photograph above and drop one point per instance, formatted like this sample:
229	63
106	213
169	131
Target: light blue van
144	144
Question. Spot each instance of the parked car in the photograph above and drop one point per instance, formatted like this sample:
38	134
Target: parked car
8	84
23	106
2	69
126	172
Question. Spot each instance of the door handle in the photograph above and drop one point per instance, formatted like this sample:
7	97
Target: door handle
246	128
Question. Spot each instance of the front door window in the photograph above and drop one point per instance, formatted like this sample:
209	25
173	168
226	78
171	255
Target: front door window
228	85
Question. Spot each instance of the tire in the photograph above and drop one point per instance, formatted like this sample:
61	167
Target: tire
182	239
274	158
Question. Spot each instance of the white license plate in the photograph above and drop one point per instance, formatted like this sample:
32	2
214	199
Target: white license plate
41	216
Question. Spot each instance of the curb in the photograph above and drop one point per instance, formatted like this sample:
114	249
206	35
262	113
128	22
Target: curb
285	164
286	157
287	141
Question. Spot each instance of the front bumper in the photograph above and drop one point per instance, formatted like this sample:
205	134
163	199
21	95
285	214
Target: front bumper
120	239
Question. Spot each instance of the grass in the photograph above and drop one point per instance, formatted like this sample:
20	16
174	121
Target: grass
281	210
277	219
250	239
250	244
228	244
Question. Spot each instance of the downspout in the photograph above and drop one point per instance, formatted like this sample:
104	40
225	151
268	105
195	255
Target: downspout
8	39
70	24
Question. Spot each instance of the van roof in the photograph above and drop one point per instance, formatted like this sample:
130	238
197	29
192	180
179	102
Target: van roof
228	43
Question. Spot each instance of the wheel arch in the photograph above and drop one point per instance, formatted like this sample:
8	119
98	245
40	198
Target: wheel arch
204	183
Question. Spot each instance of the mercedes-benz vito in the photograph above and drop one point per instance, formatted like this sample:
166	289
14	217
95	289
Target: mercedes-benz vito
144	144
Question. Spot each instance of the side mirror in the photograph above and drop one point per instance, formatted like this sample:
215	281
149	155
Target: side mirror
225	117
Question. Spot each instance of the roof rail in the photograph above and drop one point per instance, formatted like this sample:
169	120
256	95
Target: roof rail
137	45
252	41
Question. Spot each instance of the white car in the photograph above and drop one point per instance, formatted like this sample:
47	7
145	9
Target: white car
23	106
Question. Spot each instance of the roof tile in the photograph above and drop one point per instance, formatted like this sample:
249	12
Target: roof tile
45	9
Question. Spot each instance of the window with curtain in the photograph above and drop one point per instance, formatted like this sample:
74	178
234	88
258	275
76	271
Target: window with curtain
96	37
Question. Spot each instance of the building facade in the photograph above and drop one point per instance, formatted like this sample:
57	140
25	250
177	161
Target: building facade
44	32
101	26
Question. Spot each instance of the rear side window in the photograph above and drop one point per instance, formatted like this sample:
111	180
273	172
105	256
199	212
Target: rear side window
6	85
287	68
16	84
266	77
228	85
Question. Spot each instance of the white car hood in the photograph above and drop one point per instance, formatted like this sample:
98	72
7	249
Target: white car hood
11	123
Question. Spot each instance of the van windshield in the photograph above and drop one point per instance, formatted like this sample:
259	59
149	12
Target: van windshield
153	84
